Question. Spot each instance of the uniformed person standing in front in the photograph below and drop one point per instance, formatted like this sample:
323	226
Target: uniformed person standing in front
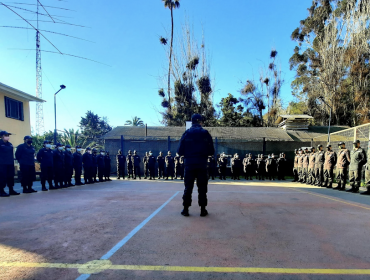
367	179
245	159
101	165
25	155
151	163
319	166
306	162
46	159
136	164
344	160
236	166
261	167
161	163
295	166
94	164
196	145
169	165
68	166
311	167
249	167
300	165
146	166
329	163
182	167
6	165
358	159
281	166
222	163
77	165
88	167
121	160
271	167
58	157
176	160
130	173
108	166
211	167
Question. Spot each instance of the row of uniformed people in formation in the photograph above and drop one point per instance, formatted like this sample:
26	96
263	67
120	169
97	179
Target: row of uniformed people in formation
317	167
56	165
260	167
168	166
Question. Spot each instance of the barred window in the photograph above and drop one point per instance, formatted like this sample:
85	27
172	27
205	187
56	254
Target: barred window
13	109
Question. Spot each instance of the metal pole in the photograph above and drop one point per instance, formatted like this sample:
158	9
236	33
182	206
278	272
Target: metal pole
169	143
55	119
329	126
122	144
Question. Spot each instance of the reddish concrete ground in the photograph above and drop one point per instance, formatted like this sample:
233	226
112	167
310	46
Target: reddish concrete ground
250	225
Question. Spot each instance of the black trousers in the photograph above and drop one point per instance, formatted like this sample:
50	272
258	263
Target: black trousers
152	171
169	171
58	176
78	172
178	171
120	171
101	173
190	175
222	172
68	174
107	171
130	172
28	175
211	172
88	174
160	171
47	174
6	176
94	172
137	171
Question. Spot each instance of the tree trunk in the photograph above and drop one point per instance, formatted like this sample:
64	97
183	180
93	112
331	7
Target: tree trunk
170	64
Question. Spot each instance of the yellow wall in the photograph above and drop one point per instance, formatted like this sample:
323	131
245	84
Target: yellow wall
19	129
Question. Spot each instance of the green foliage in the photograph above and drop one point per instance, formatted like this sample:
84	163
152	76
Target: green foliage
93	128
135	122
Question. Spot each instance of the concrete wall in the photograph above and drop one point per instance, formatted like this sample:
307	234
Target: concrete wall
18	128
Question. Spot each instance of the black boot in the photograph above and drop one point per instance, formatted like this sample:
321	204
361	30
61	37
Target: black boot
185	212
44	189
31	190
203	211
3	193
12	191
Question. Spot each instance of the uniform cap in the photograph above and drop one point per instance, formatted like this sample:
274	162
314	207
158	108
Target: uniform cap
58	145
47	142
27	137
68	146
87	149
196	118
94	150
341	143
2	133
356	142
102	151
78	147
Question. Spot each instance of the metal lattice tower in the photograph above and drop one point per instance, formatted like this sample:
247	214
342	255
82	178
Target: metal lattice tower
39	105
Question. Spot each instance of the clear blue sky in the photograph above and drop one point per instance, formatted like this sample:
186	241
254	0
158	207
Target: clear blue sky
239	36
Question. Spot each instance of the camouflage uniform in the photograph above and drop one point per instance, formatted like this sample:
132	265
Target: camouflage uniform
306	161
300	168
344	160
311	169
329	163
358	159
319	167
295	168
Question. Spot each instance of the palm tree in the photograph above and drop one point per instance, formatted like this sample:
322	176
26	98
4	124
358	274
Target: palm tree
73	138
135	122
170	4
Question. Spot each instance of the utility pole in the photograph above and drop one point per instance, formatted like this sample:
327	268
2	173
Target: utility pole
39	105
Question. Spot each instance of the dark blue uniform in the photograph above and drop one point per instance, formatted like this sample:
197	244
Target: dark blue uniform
58	168
196	145
211	167
169	166
77	165
101	167
6	165
25	155
46	159
136	163
151	163
121	160
161	163
88	167
68	167
94	169
108	167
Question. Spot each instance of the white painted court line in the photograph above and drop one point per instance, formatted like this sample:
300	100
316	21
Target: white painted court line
128	237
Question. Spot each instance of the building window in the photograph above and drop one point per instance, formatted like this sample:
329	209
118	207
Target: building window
13	109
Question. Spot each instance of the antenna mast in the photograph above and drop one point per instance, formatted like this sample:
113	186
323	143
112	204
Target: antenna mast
39	105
